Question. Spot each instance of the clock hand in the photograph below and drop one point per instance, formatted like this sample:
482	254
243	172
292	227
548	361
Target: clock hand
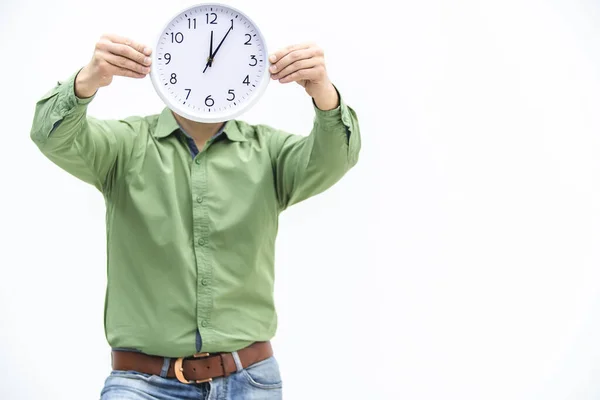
219	46
210	53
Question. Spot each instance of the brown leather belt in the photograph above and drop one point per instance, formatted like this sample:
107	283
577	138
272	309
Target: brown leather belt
201	367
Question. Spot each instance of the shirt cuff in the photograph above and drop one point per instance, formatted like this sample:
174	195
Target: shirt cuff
66	102
333	117
65	90
71	97
329	117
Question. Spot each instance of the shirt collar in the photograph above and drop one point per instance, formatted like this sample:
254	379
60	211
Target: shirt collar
167	124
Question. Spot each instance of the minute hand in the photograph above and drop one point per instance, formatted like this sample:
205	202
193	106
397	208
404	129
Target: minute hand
219	46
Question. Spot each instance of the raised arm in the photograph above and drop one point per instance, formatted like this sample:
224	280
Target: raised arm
306	166
92	150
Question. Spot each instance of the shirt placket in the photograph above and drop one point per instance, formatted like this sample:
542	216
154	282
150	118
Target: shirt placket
201	230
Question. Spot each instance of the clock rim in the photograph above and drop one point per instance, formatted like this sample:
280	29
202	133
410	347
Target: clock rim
205	117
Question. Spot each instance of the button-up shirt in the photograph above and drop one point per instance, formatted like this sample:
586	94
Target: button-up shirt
191	237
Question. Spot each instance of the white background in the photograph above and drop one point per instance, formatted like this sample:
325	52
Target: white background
458	260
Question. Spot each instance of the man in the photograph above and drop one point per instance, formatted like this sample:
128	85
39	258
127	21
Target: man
192	216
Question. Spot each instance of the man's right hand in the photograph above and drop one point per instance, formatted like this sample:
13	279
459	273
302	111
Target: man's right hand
114	55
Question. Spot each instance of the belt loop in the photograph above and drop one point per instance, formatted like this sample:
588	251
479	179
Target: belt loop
238	362
165	367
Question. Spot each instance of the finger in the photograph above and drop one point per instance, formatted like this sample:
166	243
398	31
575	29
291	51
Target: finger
122	62
118	71
303	74
298	65
296	55
128	42
127	52
276	56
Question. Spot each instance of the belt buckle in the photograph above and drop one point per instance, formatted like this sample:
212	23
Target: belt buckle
179	369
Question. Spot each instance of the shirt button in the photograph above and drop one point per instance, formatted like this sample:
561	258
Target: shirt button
199	199
201	242
204	282
204	323
198	161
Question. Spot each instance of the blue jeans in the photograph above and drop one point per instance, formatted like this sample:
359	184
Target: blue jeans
260	381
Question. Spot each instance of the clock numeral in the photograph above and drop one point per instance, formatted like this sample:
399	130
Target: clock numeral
173	79
214	20
247	80
176	37
191	22
209	99
232	95
249	39
232	24
168	58
253	57
188	95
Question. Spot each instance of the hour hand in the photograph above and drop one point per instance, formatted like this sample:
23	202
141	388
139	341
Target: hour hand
210	53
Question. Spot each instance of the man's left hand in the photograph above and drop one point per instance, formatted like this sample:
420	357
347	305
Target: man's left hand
305	65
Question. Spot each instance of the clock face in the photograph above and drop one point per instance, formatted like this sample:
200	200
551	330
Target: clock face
210	63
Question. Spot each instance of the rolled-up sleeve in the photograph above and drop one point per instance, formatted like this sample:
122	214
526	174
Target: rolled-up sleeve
308	165
90	149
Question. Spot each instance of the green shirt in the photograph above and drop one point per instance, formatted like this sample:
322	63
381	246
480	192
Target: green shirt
191	241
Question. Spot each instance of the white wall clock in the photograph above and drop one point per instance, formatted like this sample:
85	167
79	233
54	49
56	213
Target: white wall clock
210	63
